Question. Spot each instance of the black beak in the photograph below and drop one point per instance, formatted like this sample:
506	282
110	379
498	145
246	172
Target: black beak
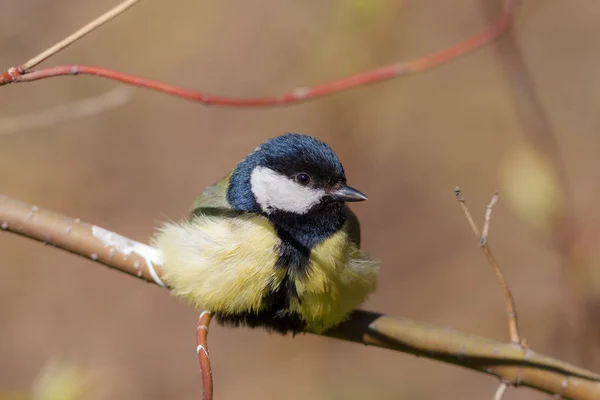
346	193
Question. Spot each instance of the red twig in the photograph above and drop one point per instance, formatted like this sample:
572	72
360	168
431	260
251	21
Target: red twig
202	350
15	74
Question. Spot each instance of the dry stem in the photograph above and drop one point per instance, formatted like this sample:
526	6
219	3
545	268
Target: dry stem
511	309
82	108
75	36
488	217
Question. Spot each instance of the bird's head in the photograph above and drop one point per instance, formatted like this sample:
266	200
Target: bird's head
294	174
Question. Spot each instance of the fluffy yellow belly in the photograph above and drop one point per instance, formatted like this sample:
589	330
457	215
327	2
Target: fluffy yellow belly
227	265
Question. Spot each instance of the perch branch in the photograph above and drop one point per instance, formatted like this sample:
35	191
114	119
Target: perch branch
514	365
16	74
203	357
511	309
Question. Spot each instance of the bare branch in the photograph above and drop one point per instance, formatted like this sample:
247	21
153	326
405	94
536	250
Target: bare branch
511	309
500	391
298	95
488	217
75	36
114	98
203	357
86	240
463	204
515	365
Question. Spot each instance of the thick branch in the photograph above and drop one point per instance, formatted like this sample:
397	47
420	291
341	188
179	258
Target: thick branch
511	363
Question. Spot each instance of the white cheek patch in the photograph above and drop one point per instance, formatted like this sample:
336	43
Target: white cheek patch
275	191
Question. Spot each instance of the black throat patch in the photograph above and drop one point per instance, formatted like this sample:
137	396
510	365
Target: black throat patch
299	234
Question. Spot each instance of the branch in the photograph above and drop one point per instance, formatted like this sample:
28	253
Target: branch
19	74
82	108
514	365
511	309
500	391
203	357
75	36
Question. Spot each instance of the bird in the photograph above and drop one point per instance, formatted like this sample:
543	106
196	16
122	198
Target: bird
273	244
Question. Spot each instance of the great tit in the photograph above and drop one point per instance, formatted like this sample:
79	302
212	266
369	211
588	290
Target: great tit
273	243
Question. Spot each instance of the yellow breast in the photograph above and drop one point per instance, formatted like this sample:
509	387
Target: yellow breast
220	264
339	279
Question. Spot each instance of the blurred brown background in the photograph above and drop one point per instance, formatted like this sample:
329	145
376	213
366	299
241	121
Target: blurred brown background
406	143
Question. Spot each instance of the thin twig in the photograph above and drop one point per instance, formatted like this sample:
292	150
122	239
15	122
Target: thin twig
512	364
463	204
75	36
82	108
510	303
488	217
500	391
14	75
203	357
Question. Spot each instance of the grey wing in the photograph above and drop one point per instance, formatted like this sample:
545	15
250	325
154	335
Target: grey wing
352	226
213	201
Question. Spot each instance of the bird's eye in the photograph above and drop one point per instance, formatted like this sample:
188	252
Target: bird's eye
303	179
